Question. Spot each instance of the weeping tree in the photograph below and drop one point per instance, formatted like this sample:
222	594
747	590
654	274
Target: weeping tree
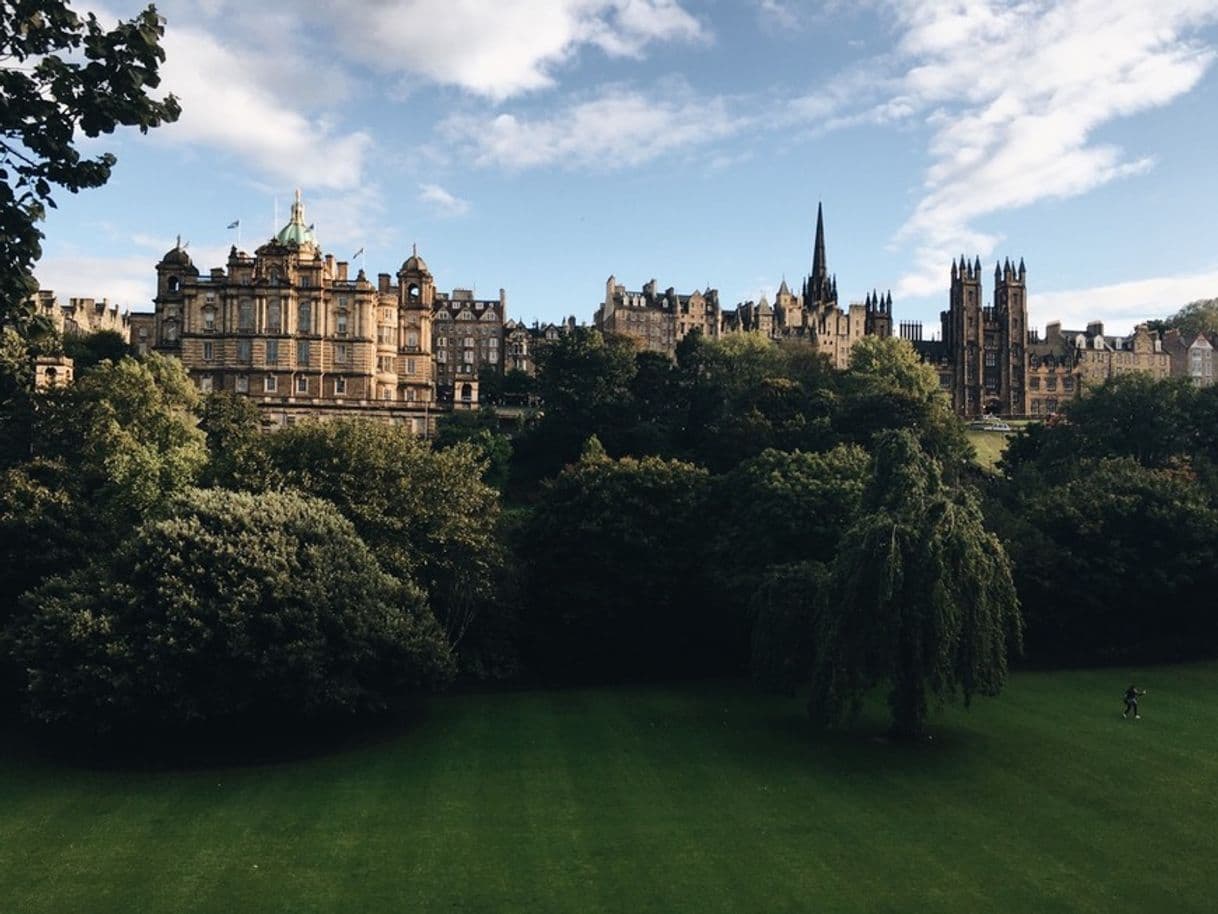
920	597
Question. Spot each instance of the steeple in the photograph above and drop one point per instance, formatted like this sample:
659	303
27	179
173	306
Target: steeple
296	232
820	270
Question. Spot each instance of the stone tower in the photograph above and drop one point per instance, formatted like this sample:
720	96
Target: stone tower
964	336
1011	324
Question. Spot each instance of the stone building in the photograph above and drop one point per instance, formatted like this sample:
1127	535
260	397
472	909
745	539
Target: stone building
658	321
991	363
293	330
82	316
467	337
1191	357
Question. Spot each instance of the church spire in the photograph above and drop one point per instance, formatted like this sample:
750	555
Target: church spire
820	270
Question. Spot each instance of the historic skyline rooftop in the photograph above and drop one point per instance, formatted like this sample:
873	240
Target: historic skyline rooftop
618	137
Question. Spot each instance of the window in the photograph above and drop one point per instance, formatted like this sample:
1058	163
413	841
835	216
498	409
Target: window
410	366
442	355
305	280
272	352
209	350
467	393
340	386
209	320
175	284
245	315
385	363
304	317
412	340
991	358
493	357
342	352
270	383
340	323
244	350
302	384
469	342
1068	383
1034	382
494	342
274	315
302	352
243	384
171	333
469	357
385	334
1051	382
386	393
205	383
410	394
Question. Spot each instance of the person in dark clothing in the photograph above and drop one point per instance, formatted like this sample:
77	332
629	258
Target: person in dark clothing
1131	702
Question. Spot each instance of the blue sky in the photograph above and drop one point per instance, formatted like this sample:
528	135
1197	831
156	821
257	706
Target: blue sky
542	145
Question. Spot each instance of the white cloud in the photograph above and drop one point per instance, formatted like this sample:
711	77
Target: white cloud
228	105
1121	305
777	14
1014	92
502	48
441	201
619	128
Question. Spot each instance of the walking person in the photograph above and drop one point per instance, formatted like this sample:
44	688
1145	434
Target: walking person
1131	702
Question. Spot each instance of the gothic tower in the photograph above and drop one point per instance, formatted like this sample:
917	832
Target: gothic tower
1011	320
964	335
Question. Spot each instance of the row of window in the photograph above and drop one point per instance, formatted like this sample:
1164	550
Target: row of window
1051	383
342	354
270	384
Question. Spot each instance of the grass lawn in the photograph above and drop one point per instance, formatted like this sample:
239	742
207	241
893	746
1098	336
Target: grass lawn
700	798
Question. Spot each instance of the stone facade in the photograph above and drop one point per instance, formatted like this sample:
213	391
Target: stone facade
468	336
1191	357
291	329
82	316
991	363
658	321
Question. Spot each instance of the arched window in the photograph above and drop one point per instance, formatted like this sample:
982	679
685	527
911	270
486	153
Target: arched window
467	393
175	284
171	333
304	318
245	315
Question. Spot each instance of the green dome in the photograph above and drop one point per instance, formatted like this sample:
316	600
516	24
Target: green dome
296	232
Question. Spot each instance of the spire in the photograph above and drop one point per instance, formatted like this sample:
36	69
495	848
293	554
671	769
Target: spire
1022	269
820	270
997	271
978	271
955	271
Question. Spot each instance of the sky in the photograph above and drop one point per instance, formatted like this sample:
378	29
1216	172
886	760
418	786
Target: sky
541	146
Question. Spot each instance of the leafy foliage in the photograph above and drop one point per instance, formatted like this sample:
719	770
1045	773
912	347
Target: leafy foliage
228	605
784	610
614	555
920	599
87	350
479	428
64	75
426	514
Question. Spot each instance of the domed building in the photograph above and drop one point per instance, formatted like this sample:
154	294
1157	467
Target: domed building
293	330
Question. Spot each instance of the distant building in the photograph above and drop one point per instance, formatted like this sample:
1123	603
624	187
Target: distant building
295	332
82	316
1191	357
658	321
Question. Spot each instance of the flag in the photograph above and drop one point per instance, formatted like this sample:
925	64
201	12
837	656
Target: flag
234	224
312	225
358	253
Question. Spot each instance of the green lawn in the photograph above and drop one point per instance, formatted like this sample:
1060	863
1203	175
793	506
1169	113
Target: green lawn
700	798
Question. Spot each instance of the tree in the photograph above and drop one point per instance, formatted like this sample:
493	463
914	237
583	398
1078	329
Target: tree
615	572
228	605
64	75
88	349
102	454
480	429
893	364
1117	561
426	514
784	622
1196	317
920	597
233	425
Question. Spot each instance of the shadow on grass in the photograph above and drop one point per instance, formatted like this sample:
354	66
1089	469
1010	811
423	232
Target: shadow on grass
242	742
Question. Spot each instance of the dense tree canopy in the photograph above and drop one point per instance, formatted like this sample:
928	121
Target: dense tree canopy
225	605
426	514
615	553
